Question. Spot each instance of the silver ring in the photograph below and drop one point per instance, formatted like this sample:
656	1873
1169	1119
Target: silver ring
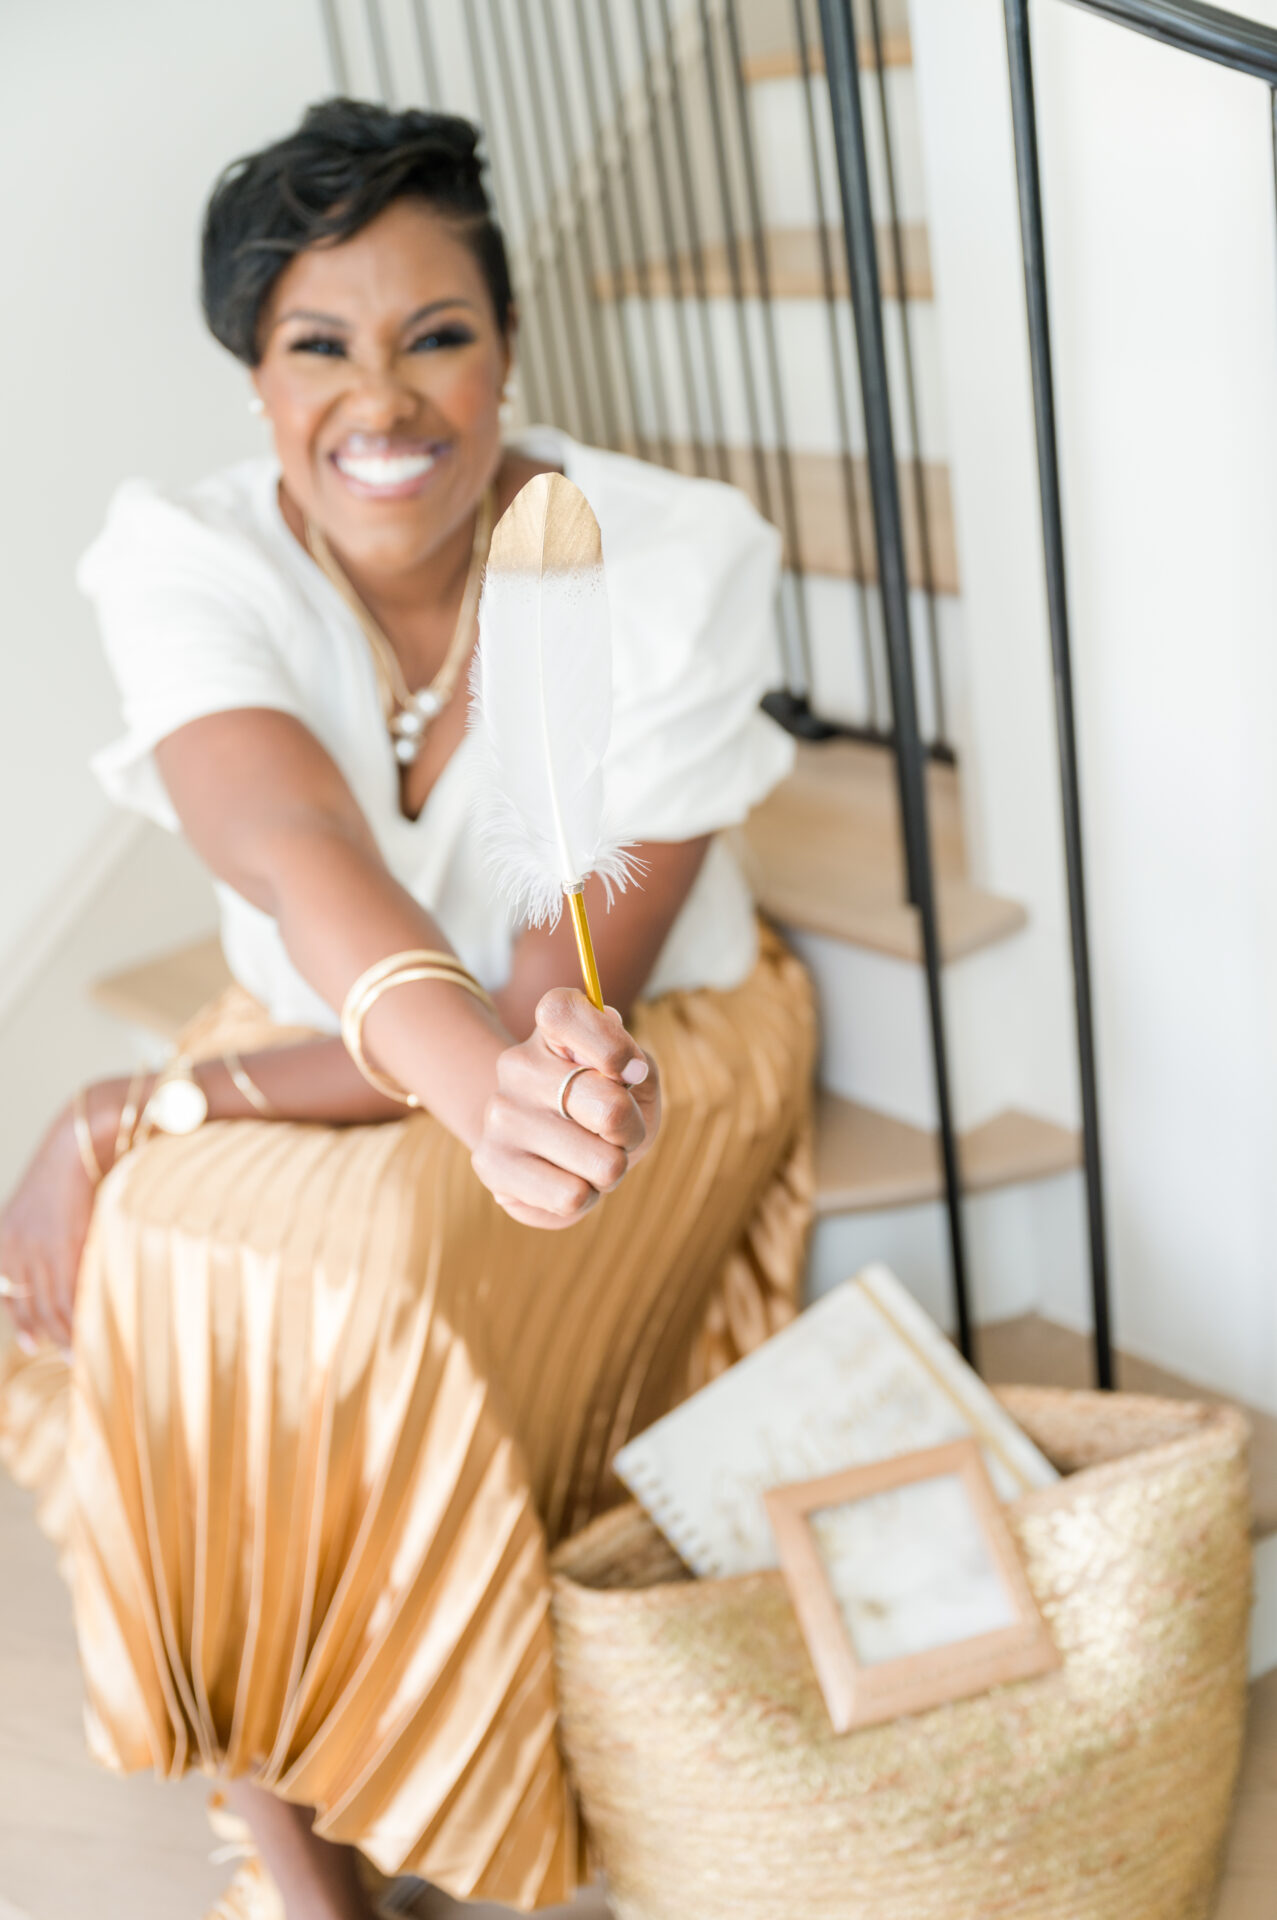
568	1078
10	1290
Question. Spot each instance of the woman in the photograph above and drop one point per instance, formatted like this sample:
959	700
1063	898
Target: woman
338	1375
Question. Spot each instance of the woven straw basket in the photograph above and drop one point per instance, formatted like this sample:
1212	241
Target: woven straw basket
712	1784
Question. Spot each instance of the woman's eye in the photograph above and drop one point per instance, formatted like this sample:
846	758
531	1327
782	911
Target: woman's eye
455	336
321	344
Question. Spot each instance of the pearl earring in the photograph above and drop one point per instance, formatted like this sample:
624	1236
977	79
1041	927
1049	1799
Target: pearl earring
509	394
256	404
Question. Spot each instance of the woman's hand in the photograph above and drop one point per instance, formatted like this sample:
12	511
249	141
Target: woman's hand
42	1233
547	1171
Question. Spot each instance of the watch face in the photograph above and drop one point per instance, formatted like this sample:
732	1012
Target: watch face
179	1106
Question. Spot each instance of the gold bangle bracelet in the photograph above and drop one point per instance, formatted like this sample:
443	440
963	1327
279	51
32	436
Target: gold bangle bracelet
394	963
127	1128
364	995
245	1084
84	1138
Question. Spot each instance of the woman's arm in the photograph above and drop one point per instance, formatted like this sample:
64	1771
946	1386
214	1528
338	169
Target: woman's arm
271	814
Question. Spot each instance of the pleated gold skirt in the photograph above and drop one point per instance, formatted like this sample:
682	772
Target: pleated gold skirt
329	1406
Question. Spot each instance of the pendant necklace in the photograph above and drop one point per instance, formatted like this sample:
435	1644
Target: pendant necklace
409	713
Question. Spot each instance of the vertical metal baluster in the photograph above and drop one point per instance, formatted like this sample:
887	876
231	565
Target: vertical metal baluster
917	470
846	460
638	240
469	14
696	248
842	67
771	353
607	213
333	42
584	243
431	88
681	329
566	292
559	378
1024	122
762	479
380	56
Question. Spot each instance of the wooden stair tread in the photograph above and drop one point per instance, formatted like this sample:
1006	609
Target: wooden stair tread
867	1161
783	63
795	269
820	497
1035	1352
162	995
824	854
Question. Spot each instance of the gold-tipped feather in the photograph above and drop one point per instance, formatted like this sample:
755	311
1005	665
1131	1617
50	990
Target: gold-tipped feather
543	702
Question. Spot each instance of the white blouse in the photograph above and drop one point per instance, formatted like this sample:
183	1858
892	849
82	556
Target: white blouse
207	602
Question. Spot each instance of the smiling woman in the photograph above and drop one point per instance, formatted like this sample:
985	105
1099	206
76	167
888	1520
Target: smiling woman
338	1376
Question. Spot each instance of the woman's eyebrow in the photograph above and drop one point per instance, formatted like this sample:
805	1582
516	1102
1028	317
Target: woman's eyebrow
433	306
305	313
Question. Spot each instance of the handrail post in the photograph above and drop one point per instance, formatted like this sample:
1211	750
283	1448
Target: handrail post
843	72
1029	184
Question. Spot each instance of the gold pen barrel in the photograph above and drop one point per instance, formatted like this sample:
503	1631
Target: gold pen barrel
585	946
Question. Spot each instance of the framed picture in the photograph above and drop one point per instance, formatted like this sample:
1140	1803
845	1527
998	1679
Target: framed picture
907	1584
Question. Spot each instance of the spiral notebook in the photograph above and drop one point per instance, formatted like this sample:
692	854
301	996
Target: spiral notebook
861	1376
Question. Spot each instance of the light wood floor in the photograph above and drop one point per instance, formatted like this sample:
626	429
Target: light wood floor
78	1844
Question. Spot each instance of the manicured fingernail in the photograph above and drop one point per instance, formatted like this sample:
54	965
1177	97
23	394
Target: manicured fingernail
635	1073
26	1344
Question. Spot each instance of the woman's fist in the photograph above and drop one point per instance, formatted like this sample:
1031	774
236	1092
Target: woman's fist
547	1170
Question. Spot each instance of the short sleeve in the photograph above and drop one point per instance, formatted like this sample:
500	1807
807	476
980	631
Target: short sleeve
187	610
696	647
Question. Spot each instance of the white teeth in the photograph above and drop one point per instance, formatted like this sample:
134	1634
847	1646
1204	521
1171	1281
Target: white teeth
385	470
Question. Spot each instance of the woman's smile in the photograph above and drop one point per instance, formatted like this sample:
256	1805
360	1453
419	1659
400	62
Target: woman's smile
379	467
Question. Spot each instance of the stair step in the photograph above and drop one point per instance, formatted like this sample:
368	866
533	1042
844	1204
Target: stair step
824	854
820	500
784	63
1036	1352
866	1160
768	35
795	268
160	996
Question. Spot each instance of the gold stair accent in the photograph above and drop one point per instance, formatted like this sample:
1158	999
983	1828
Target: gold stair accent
824	854
784	64
867	1161
794	268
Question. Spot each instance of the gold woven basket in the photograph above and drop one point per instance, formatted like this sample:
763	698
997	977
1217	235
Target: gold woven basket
713	1785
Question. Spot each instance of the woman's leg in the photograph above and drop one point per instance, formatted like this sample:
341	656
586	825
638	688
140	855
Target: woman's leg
317	1879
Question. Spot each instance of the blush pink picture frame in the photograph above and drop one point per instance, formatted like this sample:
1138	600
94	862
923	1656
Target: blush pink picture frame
860	1695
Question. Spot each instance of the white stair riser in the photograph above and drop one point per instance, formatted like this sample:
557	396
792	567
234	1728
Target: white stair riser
782	144
807	380
1026	1249
1007	1028
838	612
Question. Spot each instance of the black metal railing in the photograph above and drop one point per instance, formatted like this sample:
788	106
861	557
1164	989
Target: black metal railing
1227	40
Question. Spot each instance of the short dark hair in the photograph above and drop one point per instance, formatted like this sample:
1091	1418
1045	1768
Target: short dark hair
346	162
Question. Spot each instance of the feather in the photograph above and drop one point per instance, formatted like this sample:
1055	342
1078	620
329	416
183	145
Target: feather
541	698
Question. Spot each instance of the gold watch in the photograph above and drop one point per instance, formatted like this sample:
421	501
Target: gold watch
178	1103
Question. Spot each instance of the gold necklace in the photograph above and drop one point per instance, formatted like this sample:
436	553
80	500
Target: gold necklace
408	712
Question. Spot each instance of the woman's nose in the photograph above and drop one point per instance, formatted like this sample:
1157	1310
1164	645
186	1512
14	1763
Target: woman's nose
381	399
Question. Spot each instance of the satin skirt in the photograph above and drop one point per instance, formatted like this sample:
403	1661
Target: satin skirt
329	1408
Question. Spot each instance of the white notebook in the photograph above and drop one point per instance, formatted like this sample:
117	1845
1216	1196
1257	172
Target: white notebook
862	1375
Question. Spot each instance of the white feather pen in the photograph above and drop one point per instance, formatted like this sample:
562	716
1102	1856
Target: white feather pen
542	702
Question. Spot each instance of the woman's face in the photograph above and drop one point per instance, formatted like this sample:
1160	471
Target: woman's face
381	372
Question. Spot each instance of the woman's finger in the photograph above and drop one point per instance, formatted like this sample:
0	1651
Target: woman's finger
562	1143
534	1077
522	1179
580	1033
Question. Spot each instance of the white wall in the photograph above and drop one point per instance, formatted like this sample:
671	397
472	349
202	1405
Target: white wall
113	122
1162	253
